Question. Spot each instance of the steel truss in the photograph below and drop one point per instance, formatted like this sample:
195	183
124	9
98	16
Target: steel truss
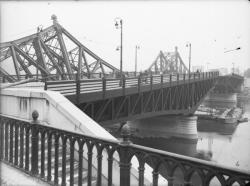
53	53
177	99
168	62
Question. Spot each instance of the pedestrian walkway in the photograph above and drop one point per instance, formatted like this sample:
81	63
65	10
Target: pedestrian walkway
11	176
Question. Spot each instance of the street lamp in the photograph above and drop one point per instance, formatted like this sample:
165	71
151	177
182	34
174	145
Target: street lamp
238	48
118	25
189	58
136	48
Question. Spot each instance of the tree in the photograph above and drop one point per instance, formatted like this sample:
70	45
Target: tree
247	73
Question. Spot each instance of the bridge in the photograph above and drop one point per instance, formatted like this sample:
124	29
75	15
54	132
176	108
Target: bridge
60	155
114	100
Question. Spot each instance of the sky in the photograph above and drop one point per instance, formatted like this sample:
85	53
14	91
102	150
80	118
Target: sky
212	27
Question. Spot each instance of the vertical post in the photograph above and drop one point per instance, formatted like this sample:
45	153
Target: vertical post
123	84
71	173
64	151
34	147
155	177
99	168
141	173
151	82
178	78
170	79
1	138
78	89
90	154
103	87
125	164
16	143
121	49
45	84
139	83
110	168
80	153
161	80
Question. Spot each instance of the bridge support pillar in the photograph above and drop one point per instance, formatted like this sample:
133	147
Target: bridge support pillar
166	126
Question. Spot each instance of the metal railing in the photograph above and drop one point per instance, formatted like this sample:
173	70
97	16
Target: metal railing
28	146
70	87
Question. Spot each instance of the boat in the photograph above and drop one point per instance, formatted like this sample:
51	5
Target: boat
233	116
241	120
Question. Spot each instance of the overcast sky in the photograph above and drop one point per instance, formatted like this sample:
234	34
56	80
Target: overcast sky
211	26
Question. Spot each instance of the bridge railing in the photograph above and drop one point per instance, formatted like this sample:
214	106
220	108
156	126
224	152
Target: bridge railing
42	151
69	87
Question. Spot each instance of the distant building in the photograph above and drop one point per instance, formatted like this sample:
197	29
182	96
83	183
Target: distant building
222	71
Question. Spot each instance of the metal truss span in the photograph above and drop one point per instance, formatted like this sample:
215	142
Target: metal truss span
168	62
229	84
51	52
179	98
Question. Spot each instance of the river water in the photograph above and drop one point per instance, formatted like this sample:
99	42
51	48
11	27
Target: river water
225	144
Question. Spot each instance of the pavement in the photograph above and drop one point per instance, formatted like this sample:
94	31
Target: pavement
11	176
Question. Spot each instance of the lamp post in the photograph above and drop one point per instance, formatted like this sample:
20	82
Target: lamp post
136	48
118	24
189	58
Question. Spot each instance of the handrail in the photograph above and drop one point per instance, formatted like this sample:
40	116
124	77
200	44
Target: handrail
17	146
105	84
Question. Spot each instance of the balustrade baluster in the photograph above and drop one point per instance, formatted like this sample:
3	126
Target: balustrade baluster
170	181
64	150
141	170
16	143
6	146
99	168
27	147
11	142
42	154
155	177
2	124
80	153
21	145
56	159
90	154
72	148
49	157
110	168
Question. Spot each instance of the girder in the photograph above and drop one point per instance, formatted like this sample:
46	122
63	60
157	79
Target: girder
48	53
168	62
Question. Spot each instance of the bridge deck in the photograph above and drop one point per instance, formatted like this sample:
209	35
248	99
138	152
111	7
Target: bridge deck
97	89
